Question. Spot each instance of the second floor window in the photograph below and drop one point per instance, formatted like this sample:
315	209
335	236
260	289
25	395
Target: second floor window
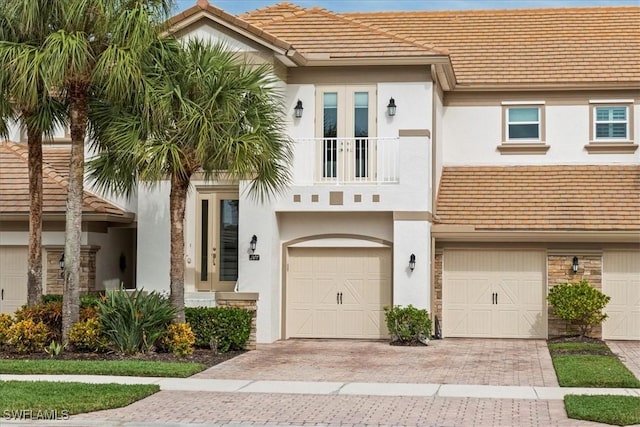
611	122
523	123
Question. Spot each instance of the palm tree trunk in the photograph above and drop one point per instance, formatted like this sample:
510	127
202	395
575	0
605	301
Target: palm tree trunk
34	264
177	203
78	113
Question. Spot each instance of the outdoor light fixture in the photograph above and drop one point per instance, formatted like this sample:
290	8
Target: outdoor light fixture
391	108
253	243
575	264
61	264
298	109
412	262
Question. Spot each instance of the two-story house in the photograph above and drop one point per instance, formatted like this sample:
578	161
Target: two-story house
463	162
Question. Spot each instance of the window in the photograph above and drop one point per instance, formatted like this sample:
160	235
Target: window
523	123
611	122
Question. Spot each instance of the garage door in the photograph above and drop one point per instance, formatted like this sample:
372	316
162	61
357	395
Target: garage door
621	281
496	294
13	278
337	292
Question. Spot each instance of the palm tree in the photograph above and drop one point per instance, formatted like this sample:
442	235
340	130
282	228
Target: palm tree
23	26
209	113
95	52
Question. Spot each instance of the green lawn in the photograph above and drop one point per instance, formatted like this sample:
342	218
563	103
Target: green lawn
593	371
616	410
579	346
58	400
136	368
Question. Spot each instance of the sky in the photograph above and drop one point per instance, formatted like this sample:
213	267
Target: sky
239	6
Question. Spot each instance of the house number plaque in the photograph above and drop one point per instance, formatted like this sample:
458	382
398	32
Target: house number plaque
254	257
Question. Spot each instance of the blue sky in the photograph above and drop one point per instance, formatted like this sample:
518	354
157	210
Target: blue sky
240	6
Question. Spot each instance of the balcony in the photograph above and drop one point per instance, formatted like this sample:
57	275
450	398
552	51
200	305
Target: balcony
346	161
361	174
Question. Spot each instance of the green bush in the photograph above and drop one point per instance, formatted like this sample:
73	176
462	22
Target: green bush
133	322
179	339
408	325
88	335
5	323
27	336
580	304
51	298
220	328
49	313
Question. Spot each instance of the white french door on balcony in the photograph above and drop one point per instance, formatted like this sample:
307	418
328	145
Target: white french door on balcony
346	131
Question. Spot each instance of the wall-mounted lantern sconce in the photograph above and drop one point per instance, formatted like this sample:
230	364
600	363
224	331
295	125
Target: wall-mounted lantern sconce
391	107
61	264
298	109
412	262
253	243
574	267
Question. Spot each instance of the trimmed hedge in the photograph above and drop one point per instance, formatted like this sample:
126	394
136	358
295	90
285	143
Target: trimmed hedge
221	328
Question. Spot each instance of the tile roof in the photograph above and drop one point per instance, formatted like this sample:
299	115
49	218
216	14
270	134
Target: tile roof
563	46
14	181
541	197
320	31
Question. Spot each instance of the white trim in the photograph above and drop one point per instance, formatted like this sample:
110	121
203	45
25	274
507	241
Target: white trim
611	101
523	102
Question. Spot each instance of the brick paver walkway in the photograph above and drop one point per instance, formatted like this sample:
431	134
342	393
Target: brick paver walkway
289	409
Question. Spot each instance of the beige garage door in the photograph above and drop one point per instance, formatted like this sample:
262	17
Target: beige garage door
621	281
494	294
337	292
13	278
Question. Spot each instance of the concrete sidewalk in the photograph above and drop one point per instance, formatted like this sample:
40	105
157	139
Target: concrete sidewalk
335	388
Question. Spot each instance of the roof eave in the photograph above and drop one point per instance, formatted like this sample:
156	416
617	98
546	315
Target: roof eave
468	233
528	86
125	218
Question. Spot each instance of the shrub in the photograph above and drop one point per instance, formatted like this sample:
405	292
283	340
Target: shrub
51	298
5	323
49	313
408	325
179	339
54	349
579	303
133	322
87	335
27	336
220	328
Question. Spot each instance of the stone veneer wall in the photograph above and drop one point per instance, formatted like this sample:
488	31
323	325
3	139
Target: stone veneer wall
246	300
55	282
559	270
437	288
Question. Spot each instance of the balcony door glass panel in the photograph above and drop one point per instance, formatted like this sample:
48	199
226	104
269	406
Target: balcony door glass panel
217	241
361	134
329	134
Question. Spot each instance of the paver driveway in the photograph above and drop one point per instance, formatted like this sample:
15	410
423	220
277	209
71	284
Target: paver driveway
450	361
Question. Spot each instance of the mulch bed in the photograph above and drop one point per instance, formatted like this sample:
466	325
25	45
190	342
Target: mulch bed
206	357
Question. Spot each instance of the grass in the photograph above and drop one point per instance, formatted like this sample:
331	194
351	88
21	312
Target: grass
136	368
616	410
580	370
579	347
46	399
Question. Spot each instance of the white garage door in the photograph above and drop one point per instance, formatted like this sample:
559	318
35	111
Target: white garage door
337	292
621	281
13	278
494	294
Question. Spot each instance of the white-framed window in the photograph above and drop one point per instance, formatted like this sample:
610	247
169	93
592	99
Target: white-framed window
611	122
523	123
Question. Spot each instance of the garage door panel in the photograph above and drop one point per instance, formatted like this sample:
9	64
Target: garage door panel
357	273
621	281
303	321
472	279
13	278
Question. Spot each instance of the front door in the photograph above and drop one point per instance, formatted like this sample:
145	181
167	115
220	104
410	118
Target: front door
217	241
346	130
